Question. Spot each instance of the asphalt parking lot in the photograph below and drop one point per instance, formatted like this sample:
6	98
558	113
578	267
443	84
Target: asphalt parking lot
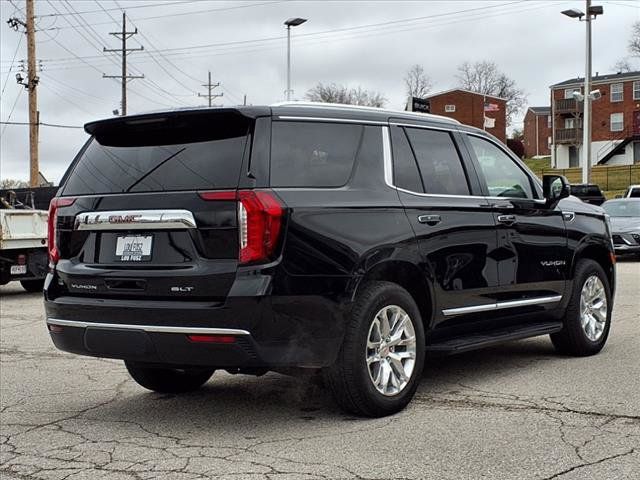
517	411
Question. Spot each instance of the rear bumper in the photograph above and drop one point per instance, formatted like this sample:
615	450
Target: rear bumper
268	331
37	264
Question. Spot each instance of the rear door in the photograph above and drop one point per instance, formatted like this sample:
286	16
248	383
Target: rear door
534	255
155	211
452	221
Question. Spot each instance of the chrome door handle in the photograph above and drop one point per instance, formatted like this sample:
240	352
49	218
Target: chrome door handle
429	219
508	219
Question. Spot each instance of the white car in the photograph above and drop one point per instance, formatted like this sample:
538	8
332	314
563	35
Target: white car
632	192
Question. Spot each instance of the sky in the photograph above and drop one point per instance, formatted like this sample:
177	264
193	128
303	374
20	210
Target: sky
370	44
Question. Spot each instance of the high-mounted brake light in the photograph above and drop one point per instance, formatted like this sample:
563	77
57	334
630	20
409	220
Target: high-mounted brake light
211	338
259	221
54	253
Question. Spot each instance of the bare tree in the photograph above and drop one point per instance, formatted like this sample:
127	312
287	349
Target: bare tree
11	183
634	41
485	78
623	65
417	83
335	93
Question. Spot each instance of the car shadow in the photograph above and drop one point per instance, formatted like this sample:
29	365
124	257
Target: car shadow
244	401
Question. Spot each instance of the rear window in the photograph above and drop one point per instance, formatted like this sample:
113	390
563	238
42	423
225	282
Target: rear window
635	193
313	154
178	155
586	190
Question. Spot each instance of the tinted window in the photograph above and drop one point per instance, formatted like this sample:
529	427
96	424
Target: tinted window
179	158
635	193
405	169
310	154
438	160
504	178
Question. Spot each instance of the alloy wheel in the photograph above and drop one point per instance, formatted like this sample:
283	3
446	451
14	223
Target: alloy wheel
391	350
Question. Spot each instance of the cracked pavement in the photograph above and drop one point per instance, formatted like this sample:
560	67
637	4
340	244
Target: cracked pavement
515	411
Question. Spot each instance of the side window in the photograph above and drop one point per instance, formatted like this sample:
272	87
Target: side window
438	160
504	178
405	170
311	154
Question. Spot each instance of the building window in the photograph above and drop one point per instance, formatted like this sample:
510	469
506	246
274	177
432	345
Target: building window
449	108
548	121
636	90
616	92
568	92
548	140
569	123
617	122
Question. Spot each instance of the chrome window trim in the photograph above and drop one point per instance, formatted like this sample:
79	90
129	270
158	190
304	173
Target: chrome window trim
149	328
501	305
386	154
138	220
331	120
426	127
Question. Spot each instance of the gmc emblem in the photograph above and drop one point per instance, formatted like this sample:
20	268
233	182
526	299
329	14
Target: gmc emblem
123	218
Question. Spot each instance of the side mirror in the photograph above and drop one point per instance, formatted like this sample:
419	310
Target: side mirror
555	188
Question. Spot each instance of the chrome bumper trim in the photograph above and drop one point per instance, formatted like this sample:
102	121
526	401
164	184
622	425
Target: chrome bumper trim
149	328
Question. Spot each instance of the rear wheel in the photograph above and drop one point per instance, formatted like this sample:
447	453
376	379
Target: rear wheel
588	317
168	380
380	363
33	285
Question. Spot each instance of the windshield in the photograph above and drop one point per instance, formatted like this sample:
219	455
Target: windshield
195	156
622	209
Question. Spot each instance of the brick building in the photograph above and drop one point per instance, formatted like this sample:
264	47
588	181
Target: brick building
537	132
615	126
471	108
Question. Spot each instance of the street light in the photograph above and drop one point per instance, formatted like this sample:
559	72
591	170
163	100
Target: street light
292	22
592	12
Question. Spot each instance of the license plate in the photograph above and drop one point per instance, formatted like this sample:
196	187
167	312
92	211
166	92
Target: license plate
18	269
134	248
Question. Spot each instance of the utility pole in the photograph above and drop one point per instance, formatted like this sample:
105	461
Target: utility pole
30	84
123	36
210	86
34	115
586	124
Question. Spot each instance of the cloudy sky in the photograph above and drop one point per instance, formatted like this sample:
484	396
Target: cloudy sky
365	43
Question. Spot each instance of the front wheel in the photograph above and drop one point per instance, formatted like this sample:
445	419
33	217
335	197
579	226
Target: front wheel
380	363
168	380
588	317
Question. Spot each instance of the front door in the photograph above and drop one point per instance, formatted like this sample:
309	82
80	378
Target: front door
455	229
534	255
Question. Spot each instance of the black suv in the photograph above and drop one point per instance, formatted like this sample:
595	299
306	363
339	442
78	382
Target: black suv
302	237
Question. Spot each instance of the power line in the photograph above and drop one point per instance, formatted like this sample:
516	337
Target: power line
41	123
12	109
194	12
164	4
302	36
6	80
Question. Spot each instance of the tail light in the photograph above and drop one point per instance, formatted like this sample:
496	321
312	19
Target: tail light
54	253
259	222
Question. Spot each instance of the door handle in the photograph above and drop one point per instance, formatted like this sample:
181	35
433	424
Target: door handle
429	219
508	219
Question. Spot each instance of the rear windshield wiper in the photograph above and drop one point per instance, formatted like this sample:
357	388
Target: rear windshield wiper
155	168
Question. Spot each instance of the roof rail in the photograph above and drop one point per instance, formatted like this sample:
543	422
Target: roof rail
342	106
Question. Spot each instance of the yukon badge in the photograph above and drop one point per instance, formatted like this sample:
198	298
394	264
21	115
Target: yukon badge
552	263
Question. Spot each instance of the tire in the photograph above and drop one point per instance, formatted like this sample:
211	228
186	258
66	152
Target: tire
168	380
351	379
574	339
33	285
